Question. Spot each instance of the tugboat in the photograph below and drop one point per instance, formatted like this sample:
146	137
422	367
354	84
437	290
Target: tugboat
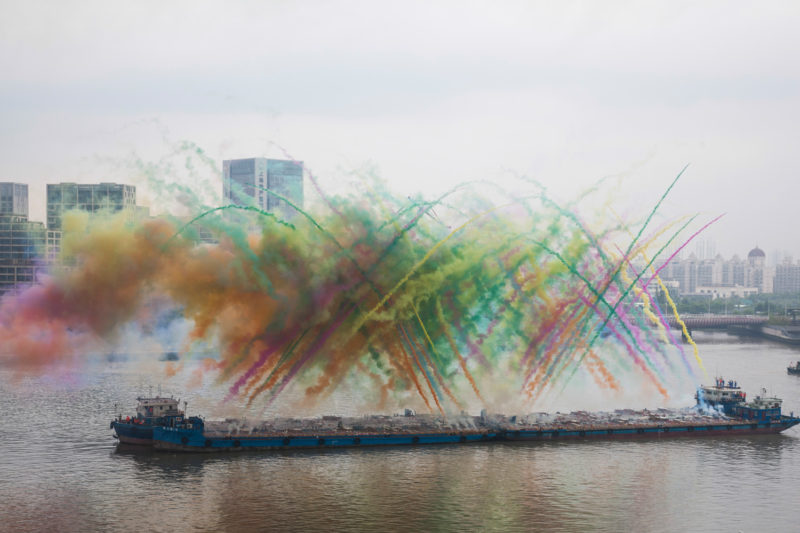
150	413
762	408
794	369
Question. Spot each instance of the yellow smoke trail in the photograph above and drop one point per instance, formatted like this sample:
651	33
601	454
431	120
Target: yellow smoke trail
670	301
433	349
651	316
436	372
684	329
419	264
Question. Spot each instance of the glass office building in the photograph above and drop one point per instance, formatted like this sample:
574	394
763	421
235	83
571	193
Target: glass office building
249	182
94	198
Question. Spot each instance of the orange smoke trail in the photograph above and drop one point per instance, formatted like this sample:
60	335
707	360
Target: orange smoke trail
335	369
602	376
430	361
406	360
421	368
74	310
379	384
542	377
461	361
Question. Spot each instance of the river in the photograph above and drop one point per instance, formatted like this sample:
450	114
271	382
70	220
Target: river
61	470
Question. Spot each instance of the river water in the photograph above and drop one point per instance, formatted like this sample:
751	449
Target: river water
61	470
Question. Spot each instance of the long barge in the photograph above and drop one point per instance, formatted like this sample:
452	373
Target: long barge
721	409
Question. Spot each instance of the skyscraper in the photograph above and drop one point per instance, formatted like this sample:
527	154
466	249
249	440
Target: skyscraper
249	182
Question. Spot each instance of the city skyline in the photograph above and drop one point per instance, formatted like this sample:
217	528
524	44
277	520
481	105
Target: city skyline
701	247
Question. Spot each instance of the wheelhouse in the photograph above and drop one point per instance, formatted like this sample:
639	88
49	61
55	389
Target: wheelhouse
725	395
762	408
158	411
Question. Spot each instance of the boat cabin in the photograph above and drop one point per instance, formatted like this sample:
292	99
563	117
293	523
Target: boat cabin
158	411
761	408
722	394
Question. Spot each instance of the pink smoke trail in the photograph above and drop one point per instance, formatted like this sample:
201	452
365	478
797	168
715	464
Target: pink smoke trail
695	234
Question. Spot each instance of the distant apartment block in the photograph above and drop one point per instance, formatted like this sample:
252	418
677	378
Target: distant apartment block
99	197
718	277
249	182
787	278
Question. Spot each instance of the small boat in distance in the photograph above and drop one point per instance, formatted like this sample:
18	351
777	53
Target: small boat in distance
169	356
794	369
150	412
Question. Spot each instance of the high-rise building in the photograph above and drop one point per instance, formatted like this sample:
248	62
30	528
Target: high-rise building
248	182
94	198
21	241
14	199
787	277
705	249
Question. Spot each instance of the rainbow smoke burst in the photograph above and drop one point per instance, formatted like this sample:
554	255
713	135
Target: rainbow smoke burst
444	298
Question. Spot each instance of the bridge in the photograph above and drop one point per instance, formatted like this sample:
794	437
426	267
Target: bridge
707	321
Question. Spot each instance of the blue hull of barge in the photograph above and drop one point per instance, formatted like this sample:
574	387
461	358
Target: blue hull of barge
717	429
195	441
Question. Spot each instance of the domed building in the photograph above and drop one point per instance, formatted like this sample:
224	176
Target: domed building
757	273
756	257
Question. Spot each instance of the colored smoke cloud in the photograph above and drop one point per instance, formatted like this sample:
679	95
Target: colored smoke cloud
456	300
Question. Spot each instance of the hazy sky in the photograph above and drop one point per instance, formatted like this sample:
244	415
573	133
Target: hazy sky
428	93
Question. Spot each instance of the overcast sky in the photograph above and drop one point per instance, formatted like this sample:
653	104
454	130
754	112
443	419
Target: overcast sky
429	93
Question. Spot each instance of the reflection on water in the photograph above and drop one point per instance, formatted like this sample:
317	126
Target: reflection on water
60	470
